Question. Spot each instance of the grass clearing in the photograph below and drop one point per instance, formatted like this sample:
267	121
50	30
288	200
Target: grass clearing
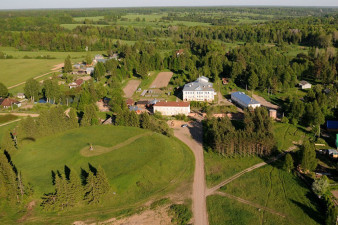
99	150
287	135
137	172
7	118
224	211
14	71
73	26
279	190
219	168
6	128
93	18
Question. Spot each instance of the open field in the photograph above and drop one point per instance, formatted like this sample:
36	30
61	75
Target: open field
93	18
75	56
288	135
14	71
162	80
137	172
73	26
131	88
278	190
224	211
6	128
7	118
218	168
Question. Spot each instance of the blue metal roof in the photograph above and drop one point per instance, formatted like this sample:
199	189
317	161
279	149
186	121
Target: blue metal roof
244	98
331	124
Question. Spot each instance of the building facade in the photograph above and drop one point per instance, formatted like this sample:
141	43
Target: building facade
243	100
172	108
199	90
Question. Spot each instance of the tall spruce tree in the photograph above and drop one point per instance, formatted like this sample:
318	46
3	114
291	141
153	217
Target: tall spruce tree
145	121
8	180
67	68
3	91
308	160
288	163
73	120
75	191
89	116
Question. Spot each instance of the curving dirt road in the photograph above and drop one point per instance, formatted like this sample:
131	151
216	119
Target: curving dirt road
192	136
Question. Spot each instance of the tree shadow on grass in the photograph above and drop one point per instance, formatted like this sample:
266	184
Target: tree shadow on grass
84	175
313	214
92	169
67	172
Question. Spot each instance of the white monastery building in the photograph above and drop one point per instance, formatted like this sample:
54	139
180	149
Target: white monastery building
172	108
199	90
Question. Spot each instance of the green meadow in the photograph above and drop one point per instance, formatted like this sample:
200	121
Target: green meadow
138	170
270	187
20	69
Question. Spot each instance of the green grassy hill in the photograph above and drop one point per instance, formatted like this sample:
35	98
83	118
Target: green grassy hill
138	169
270	187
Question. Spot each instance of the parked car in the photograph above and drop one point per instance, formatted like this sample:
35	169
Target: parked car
184	125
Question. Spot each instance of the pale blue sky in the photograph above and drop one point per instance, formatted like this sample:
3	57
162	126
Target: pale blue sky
25	4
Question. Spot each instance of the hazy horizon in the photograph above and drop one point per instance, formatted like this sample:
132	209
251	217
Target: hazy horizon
64	4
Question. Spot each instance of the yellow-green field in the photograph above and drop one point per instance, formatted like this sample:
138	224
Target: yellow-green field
19	69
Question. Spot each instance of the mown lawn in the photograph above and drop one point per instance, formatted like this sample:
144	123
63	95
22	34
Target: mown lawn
276	189
219	168
136	172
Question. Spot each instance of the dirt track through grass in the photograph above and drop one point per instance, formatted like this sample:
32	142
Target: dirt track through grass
99	150
250	203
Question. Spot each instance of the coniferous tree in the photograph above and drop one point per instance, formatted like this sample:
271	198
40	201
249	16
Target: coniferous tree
89	116
8	181
75	191
145	121
288	163
308	160
3	91
102	182
253	81
67	68
73	119
88	59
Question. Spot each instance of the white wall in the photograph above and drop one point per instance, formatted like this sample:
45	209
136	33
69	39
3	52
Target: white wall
170	111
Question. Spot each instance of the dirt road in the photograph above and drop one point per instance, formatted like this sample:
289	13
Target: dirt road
264	102
22	114
13	121
55	69
192	136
